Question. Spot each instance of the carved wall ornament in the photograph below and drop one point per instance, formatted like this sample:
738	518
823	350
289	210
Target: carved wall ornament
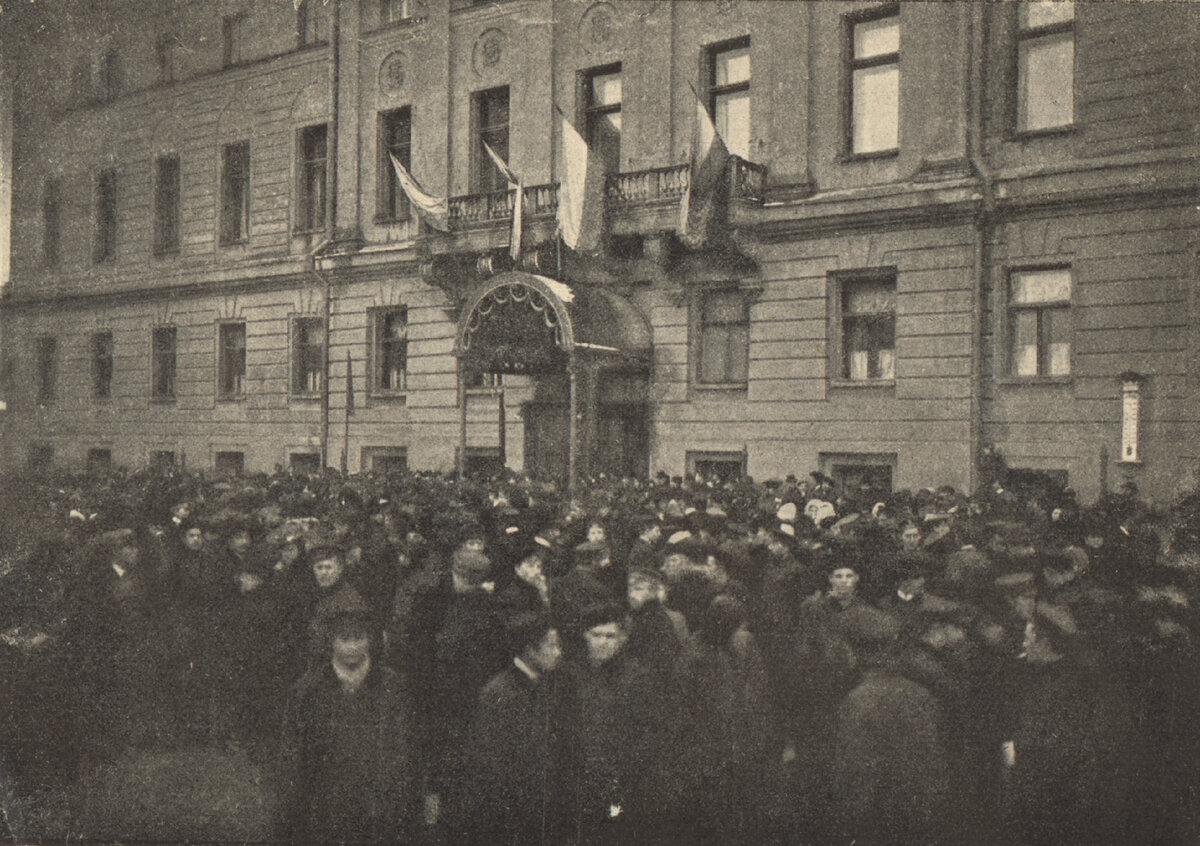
489	51
392	72
598	27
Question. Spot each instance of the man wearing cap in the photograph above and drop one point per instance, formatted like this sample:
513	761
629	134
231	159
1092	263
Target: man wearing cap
514	756
348	767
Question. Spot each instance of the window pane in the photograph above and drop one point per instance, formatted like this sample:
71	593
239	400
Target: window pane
1024	347
713	348
1046	90
1041	286
876	114
739	353
869	297
887	364
732	120
1057	322
606	90
725	307
877	38
1046	13
731	66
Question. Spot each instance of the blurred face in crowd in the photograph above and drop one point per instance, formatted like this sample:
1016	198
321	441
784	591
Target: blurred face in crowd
842	582
604	641
544	655
910	538
327	571
596	533
193	538
530	569
288	553
239	542
652	533
474	545
643	589
351	650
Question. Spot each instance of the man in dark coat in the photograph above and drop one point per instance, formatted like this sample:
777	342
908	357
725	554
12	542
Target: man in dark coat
349	772
517	769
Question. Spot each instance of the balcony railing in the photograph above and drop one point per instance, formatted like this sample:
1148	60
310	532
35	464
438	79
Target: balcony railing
644	186
623	190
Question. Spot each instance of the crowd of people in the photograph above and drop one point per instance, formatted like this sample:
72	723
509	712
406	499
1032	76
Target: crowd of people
415	658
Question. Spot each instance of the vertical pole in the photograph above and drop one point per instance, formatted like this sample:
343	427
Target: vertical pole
462	422
503	425
572	427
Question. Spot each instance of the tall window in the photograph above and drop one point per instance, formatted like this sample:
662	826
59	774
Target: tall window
602	109
874	108
308	349
724	345
235	193
231	39
111	76
231	360
229	463
166	205
312	152
394	11
102	364
309	23
729	94
47	369
104	243
162	362
395	138
1039	322
867	332
51	224
164	57
1046	66
389	349
491	127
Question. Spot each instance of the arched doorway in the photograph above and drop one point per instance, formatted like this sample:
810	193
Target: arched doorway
586	350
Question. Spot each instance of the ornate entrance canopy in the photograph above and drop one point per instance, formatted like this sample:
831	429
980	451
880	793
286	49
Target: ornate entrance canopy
527	324
523	323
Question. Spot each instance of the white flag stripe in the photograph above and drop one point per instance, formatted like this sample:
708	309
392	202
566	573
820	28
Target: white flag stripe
570	201
512	178
435	210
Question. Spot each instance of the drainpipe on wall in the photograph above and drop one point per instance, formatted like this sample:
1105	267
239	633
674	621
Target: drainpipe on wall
976	24
331	188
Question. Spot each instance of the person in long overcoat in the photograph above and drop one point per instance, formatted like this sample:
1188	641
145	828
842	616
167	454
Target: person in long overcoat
349	769
515	795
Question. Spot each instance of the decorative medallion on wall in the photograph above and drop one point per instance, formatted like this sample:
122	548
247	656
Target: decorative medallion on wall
725	6
392	72
598	27
488	51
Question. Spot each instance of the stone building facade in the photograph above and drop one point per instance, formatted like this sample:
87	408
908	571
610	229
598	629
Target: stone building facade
951	226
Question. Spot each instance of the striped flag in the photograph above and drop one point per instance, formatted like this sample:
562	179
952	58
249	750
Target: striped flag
514	241
434	210
581	198
704	209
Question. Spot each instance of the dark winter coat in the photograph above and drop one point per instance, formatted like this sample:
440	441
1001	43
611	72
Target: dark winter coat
348	771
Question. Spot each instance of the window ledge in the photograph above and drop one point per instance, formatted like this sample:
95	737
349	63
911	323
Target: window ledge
402	23
850	158
862	384
231	398
166	254
162	400
305	397
721	387
234	245
1135	462
1034	380
389	220
388	396
1049	132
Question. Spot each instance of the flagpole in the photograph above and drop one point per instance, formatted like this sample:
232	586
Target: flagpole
349	411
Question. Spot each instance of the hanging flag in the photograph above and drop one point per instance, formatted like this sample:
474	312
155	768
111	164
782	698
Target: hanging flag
349	386
434	210
703	213
514	181
581	197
